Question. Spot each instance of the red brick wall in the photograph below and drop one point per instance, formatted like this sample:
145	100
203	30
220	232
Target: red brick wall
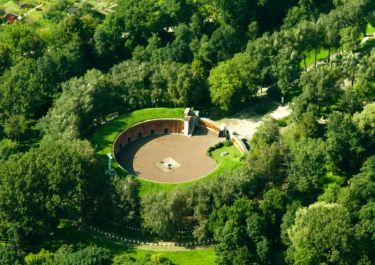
144	129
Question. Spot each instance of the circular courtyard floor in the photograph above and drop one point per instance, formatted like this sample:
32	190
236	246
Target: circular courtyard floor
170	158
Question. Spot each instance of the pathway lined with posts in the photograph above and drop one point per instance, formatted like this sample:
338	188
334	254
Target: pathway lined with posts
143	230
98	232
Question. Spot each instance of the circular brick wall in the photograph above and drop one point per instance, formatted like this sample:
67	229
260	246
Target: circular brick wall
170	158
147	128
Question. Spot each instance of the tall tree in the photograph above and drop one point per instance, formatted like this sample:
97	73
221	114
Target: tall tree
84	102
322	233
10	255
365	122
344	144
273	206
320	87
240	231
231	83
365	76
361	188
308	166
45	184
5	57
163	212
184	87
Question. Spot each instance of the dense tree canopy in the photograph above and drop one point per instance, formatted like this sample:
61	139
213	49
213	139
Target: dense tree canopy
43	185
322	233
303	194
241	233
307	170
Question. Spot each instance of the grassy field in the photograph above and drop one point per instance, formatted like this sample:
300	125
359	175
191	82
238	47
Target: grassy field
70	235
104	137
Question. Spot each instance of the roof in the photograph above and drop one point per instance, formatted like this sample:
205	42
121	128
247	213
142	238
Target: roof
10	17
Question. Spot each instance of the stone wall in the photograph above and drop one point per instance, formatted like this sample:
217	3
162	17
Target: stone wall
209	124
213	126
147	128
239	144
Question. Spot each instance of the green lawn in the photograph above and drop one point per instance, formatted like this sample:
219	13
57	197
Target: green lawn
104	137
287	134
192	257
370	29
310	59
323	53
70	235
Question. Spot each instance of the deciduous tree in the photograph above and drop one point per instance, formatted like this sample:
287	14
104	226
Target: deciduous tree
322	233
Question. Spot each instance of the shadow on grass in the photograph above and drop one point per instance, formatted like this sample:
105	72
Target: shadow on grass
128	153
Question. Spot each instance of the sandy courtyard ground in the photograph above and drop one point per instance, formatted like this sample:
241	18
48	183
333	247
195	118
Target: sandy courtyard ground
142	156
246	124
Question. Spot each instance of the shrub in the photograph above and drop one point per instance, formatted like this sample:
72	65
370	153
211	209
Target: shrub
228	143
217	146
282	122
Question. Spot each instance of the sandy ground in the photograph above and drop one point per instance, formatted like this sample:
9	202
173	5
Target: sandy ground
140	157
245	124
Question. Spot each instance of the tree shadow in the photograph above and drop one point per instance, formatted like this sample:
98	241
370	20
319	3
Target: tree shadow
252	109
200	131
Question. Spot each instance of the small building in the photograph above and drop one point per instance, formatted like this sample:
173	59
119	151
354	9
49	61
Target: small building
11	18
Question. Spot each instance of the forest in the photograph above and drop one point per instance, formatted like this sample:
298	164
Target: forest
303	194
